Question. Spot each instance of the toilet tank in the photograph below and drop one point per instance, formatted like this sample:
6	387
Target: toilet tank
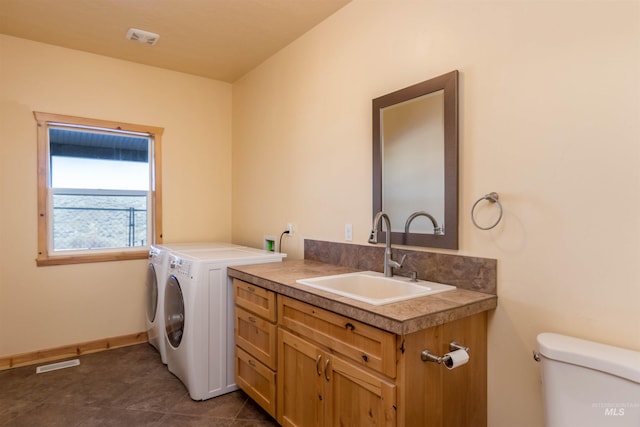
588	384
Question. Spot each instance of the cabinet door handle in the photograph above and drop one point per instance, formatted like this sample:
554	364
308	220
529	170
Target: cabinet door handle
326	370
251	319
252	363
318	371
251	289
350	326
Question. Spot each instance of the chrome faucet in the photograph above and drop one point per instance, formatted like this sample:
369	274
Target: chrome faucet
389	263
436	228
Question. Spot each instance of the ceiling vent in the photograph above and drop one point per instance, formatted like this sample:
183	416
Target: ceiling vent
142	36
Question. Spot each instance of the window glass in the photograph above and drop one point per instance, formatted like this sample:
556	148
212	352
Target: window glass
70	172
82	161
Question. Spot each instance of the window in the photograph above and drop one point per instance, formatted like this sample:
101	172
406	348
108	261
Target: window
99	193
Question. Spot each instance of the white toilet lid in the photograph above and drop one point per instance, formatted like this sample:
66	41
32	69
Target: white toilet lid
614	360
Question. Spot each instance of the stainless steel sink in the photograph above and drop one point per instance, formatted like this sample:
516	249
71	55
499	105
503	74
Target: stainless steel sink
374	288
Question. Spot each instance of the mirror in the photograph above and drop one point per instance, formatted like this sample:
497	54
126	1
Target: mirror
415	162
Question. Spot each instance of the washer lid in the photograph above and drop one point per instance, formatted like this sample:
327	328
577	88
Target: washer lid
614	360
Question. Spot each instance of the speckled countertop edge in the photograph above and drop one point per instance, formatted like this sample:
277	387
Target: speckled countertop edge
400	318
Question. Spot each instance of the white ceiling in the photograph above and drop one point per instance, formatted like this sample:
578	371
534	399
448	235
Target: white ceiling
218	39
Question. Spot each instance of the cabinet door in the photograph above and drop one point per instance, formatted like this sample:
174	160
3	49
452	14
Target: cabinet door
300	382
355	397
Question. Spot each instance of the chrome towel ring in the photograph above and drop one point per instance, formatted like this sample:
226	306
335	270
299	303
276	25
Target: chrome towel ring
492	198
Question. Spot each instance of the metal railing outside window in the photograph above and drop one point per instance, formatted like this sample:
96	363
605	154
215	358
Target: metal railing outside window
99	219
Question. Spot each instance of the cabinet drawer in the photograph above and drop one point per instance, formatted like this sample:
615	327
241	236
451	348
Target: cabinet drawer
255	299
364	344
256	336
258	381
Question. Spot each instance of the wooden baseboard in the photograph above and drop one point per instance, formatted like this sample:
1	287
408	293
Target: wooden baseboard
42	356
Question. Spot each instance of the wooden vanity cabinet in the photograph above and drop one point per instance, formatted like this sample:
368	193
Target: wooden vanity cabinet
255	343
332	370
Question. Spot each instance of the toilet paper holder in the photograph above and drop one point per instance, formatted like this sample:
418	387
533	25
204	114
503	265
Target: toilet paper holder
427	356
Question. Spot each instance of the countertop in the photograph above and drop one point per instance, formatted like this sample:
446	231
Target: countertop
401	318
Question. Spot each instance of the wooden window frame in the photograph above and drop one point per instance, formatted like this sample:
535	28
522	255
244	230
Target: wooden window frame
44	258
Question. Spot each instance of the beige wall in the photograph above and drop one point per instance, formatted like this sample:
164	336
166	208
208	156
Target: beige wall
550	119
44	307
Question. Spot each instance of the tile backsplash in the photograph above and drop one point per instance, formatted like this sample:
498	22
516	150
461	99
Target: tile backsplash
472	273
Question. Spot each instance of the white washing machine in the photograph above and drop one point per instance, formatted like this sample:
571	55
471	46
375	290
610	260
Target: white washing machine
155	281
198	307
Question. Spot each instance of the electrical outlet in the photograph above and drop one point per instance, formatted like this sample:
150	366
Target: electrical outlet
290	229
348	232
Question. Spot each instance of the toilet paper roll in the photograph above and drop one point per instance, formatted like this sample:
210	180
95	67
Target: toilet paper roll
455	359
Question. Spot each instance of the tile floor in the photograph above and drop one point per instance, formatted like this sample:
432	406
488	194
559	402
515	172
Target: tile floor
122	387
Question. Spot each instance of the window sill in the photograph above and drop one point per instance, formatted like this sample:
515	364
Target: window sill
43	261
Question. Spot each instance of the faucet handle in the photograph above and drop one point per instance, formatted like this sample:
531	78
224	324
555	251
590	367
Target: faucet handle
393	263
404	257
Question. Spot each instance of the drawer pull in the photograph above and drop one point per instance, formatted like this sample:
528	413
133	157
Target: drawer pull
251	363
326	370
350	326
365	357
251	319
318	365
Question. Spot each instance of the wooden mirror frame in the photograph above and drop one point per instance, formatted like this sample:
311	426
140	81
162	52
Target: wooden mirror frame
449	83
